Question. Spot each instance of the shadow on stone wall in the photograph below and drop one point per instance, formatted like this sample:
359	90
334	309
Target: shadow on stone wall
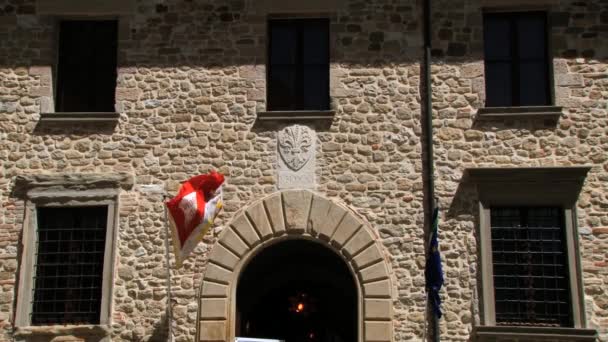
83	129
160	331
531	124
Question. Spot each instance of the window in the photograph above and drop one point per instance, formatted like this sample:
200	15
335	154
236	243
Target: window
69	265
530	276
86	72
298	70
530	266
66	265
516	59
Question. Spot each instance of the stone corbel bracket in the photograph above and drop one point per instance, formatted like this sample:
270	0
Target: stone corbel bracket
69	184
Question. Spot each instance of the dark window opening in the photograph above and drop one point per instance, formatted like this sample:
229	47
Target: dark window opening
298	68
516	59
297	291
69	265
86	75
531	280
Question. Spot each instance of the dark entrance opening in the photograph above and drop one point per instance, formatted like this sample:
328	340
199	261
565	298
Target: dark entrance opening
297	291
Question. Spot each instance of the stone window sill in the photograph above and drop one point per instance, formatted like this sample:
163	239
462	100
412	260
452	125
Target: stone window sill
79	7
545	112
34	333
296	115
516	333
80	117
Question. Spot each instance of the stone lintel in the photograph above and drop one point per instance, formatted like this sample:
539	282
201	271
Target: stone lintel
39	184
527	174
62	195
558	185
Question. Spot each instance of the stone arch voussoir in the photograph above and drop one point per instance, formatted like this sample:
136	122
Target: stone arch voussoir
289	214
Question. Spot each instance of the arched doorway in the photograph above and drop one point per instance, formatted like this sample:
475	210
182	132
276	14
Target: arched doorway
297	291
296	215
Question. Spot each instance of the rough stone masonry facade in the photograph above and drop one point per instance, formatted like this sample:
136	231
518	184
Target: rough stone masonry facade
191	82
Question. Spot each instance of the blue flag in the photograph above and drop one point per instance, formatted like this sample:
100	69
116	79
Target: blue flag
433	271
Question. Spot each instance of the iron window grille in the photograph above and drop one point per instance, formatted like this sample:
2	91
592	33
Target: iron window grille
298	68
86	75
517	63
69	265
531	280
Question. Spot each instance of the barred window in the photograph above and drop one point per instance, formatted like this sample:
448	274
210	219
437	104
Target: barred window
531	280
69	265
298	71
516	59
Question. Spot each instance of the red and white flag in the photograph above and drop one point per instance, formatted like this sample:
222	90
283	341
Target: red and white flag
192	212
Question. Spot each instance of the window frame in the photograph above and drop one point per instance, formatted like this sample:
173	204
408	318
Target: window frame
511	14
299	22
30	237
559	187
75	190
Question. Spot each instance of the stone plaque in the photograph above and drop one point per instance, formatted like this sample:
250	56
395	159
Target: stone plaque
296	149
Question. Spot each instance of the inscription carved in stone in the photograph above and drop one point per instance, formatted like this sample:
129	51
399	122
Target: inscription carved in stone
295	146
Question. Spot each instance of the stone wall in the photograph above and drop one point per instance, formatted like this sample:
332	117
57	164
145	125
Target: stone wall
191	81
463	139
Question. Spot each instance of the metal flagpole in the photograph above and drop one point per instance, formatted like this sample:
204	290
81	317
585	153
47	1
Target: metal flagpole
427	33
435	334
168	263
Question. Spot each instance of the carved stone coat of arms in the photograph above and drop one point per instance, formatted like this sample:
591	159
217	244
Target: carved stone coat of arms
295	146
